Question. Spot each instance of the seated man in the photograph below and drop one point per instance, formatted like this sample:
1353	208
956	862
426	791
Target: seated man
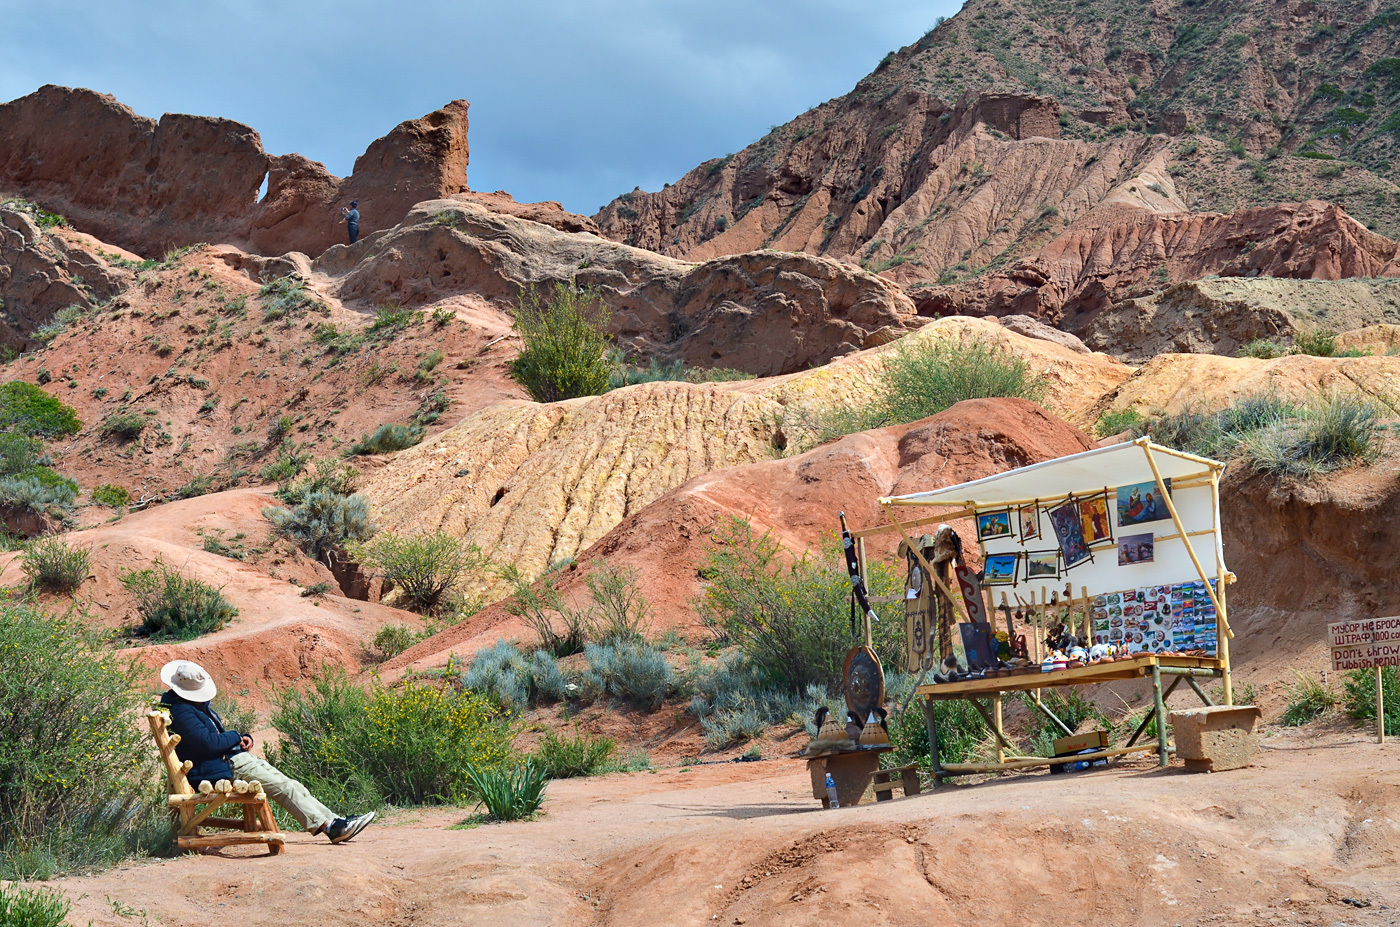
220	754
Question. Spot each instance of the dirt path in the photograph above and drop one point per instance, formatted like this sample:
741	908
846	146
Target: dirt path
1283	843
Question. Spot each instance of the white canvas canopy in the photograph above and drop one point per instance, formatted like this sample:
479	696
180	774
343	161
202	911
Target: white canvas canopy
1103	467
1183	531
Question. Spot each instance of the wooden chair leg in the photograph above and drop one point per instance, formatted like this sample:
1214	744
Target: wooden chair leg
250	819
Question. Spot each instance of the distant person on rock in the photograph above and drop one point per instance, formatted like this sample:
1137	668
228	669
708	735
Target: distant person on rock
220	754
351	218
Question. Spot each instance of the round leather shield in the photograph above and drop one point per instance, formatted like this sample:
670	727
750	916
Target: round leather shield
863	682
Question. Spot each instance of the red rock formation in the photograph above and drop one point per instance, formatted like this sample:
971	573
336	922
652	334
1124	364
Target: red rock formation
149	186
1121	251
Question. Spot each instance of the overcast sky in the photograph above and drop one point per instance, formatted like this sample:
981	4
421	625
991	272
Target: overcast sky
572	100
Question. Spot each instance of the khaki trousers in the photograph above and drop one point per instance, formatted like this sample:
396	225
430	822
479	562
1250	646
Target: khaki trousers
287	792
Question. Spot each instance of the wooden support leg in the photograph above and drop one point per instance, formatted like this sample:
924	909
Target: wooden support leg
1142	728
932	740
1196	687
1380	708
996	727
994	724
250	819
1160	706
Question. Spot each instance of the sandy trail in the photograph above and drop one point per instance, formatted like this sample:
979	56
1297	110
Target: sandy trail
1283	843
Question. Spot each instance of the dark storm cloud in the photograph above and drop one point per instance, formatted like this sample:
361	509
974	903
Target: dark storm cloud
573	101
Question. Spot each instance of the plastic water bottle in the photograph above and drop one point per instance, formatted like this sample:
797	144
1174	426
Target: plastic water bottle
831	792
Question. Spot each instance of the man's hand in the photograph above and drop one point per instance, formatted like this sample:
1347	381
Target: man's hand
245	742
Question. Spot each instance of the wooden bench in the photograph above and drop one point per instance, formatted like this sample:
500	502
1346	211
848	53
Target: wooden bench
883	785
196	808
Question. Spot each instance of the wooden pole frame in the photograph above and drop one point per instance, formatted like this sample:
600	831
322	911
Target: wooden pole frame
1181	528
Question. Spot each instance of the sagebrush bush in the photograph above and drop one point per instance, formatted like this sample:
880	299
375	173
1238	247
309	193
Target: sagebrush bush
323	522
77	776
28	410
173	606
124	426
326	475
736	702
286	296
564	343
38	492
923	377
1321	342
1329	434
424	568
32	907
1263	349
582	754
361	747
52	564
510	793
1308	699
388	438
790	617
515	680
634	672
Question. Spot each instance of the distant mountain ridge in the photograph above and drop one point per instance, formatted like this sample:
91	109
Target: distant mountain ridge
1014	125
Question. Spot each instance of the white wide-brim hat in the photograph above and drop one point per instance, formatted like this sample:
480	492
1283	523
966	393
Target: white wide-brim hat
189	680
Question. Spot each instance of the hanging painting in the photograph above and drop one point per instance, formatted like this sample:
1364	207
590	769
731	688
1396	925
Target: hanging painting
1029	516
1140	503
1135	548
1000	569
1042	564
1093	516
992	525
1069	531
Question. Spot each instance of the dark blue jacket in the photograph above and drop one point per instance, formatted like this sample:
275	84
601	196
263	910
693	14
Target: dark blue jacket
203	740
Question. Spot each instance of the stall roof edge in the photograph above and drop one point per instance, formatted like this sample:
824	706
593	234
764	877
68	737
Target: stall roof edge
1080	474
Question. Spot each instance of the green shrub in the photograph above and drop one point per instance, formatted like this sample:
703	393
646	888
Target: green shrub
390	641
514	680
635	672
1359	696
76	773
961	733
1319	342
620	611
791	618
391	318
361	747
37	493
197	486
28	410
51	564
583	754
110	495
36	907
541	606
510	793
1220	433
735	702
123	426
623	373
388	438
922	377
323	522
1118	420
176	607
326	476
1308	698
425	568
564	343
286	296
1327	435
1263	349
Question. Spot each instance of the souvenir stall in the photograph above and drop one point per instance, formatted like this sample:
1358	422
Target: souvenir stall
1100	566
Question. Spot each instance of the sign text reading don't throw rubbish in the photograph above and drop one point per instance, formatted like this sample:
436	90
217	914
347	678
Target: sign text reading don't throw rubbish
1365	643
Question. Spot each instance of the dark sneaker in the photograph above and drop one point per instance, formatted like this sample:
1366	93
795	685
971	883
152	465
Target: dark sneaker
342	829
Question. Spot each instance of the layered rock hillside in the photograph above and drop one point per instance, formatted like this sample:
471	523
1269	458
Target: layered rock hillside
151	185
1068	156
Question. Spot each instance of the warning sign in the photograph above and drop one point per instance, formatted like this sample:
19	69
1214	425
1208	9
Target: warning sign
1365	643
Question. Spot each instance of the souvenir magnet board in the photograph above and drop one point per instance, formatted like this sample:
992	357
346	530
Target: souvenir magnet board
863	682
